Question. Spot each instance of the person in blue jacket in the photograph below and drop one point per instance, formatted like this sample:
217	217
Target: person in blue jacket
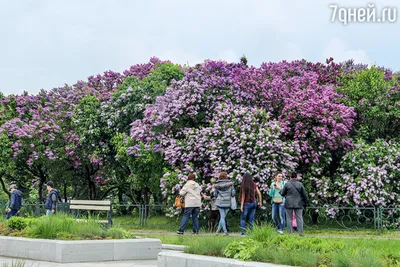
15	201
51	199
278	203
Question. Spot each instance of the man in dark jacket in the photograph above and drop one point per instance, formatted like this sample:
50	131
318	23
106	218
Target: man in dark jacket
51	199
15	201
296	200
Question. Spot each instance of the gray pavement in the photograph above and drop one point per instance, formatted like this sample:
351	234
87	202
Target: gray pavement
30	263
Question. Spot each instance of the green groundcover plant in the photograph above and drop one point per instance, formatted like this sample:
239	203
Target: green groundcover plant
265	245
61	226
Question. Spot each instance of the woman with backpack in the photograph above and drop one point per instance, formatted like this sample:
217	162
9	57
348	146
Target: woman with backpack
278	203
223	193
248	201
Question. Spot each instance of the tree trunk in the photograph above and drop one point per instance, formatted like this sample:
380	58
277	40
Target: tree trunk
65	193
3	185
122	207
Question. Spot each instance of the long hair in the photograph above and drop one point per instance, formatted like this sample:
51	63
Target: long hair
247	186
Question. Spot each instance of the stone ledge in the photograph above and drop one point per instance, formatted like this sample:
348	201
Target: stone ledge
173	247
80	250
179	259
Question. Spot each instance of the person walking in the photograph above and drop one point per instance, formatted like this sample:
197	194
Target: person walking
296	200
248	201
224	191
192	193
278	203
51	199
15	201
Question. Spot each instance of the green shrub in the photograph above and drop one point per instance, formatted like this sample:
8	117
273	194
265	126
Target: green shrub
263	233
89	229
242	250
209	245
119	233
49	226
17	223
66	236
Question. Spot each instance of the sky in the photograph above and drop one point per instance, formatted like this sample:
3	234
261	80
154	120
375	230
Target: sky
48	43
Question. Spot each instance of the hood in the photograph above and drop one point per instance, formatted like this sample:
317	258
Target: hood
17	192
223	184
192	184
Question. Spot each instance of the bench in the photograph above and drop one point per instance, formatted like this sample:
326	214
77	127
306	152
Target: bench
93	205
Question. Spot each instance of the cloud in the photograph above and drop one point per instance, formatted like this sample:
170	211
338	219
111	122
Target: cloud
228	55
49	42
291	51
340	51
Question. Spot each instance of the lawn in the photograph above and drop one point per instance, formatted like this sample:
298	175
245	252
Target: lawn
266	245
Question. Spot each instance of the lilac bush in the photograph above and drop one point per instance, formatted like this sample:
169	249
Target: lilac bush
369	175
237	139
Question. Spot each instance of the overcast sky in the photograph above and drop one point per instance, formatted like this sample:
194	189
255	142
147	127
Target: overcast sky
45	44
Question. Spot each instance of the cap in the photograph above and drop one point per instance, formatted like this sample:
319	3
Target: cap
12	186
50	183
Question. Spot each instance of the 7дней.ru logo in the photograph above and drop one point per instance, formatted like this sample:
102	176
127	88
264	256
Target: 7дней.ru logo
363	14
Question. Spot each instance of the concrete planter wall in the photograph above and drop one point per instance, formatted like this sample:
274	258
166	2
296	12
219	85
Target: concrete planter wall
180	259
80	251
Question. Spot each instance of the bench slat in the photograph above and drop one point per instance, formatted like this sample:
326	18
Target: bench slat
91	202
87	207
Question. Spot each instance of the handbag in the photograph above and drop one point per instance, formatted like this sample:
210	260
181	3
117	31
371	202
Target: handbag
277	200
180	202
233	203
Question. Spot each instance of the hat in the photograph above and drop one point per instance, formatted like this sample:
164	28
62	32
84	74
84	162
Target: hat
50	183
12	186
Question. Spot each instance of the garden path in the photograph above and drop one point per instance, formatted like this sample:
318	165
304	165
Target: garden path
33	263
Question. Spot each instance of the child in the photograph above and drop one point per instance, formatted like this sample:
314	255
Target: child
294	223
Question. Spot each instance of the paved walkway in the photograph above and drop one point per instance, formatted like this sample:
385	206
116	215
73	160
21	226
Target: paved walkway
30	263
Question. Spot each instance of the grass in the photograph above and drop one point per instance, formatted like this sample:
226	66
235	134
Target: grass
60	226
265	245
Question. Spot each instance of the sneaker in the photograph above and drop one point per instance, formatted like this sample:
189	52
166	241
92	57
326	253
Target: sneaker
280	232
179	233
242	234
195	233
226	233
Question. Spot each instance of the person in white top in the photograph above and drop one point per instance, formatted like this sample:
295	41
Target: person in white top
192	193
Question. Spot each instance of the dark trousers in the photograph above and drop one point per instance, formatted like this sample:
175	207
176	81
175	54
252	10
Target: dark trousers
11	213
299	220
194	212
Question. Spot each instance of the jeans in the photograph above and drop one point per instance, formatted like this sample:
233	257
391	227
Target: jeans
299	220
249	210
222	215
194	212
11	213
48	212
279	215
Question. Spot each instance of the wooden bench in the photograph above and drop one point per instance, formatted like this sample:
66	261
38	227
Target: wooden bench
92	205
